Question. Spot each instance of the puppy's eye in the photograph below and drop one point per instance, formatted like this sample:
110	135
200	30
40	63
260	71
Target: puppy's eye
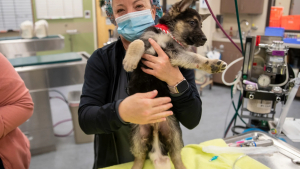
192	23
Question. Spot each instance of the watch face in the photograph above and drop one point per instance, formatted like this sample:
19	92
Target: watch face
181	87
264	80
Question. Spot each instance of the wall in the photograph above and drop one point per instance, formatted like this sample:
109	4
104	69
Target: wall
258	20
229	21
209	24
83	41
102	27
285	4
295	9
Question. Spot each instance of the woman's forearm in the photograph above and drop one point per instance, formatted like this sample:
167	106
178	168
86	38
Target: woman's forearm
188	106
12	116
16	105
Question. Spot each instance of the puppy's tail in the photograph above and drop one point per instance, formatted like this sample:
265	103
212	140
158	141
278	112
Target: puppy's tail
159	160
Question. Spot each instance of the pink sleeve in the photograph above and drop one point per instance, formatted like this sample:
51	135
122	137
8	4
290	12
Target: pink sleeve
16	105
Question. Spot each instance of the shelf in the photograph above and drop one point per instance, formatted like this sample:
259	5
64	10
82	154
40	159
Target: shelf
292	45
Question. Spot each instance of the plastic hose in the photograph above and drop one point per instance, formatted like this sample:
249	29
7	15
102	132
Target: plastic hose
52	90
237	78
233	166
257	52
239	59
239	105
218	23
239	26
236	112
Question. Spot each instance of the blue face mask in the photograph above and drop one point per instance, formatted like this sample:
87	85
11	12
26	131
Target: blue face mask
132	25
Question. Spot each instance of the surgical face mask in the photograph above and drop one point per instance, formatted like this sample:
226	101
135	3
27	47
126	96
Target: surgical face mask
132	25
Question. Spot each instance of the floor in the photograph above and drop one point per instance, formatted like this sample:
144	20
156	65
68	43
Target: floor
215	103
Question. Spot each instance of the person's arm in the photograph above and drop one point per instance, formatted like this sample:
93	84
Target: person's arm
16	105
187	106
95	115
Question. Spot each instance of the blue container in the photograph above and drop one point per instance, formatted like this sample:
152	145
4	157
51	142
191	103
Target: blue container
290	40
271	31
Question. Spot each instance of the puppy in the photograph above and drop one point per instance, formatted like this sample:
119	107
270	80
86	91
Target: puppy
177	30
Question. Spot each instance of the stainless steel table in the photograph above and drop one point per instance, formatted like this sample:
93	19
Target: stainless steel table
14	47
38	79
280	160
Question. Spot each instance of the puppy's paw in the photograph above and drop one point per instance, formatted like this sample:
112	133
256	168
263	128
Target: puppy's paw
130	63
133	55
214	66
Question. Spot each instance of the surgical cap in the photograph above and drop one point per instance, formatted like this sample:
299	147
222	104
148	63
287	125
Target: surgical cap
110	14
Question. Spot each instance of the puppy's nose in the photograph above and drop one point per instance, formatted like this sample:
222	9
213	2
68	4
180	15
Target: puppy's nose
204	38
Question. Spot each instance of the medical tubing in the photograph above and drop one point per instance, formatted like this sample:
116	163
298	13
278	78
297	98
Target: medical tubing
257	52
239	25
58	123
237	127
239	105
57	97
63	98
227	114
223	74
233	166
53	90
213	15
230	123
236	112
63	135
287	85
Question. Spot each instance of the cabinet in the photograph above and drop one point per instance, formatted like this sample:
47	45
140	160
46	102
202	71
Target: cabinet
244	6
39	128
230	54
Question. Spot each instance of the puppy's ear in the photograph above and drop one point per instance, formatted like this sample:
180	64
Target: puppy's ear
204	16
184	4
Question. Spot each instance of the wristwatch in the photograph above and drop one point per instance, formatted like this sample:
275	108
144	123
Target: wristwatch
179	87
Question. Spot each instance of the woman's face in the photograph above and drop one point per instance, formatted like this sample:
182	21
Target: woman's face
122	7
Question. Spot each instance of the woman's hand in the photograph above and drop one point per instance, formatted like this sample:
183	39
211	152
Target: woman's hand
160	66
144	108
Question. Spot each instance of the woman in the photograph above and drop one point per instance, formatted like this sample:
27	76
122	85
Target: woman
105	108
16	107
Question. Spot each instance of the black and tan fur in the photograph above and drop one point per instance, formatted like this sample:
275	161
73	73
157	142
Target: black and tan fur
159	139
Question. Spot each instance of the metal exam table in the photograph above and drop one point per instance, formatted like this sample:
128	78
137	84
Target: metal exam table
15	47
288	156
39	74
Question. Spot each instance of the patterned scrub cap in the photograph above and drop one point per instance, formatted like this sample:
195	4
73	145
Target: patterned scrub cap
110	14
